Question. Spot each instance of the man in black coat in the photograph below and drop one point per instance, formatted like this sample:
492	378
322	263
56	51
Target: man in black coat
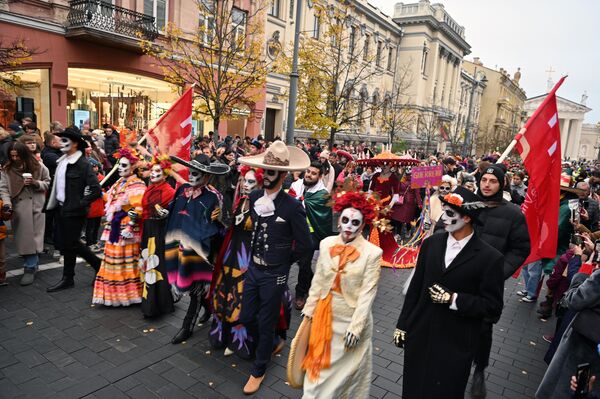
74	188
111	142
280	234
503	226
458	282
50	155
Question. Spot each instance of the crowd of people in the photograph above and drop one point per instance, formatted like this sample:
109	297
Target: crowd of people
226	226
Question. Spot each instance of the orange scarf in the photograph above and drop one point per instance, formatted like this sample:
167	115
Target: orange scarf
321	330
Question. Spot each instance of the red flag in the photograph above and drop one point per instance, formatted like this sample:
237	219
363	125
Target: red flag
172	134
540	150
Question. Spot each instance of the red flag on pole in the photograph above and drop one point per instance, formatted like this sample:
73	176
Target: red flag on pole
172	134
540	150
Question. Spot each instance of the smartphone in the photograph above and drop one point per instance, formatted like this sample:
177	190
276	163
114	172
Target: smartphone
583	379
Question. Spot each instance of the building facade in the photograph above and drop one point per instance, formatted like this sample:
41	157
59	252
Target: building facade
502	107
466	124
90	69
589	146
570	115
368	29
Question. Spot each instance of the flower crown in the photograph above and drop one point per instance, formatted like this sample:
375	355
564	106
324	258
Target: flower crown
258	172
348	197
163	161
131	155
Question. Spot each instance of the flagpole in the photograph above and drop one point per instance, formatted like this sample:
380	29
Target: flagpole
531	118
116	166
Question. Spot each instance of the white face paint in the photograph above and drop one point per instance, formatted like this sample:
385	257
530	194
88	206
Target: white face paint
270	178
351	224
453	221
124	167
195	178
65	144
250	182
156	174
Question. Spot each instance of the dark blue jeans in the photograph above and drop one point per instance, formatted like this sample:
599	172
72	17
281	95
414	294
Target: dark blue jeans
261	304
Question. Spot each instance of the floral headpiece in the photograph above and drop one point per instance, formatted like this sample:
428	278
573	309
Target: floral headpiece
357	200
258	172
454	199
131	155
164	161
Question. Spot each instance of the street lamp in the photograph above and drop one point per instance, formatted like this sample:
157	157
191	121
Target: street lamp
476	83
289	133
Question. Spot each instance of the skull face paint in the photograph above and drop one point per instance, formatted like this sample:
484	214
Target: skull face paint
250	182
453	221
351	224
124	167
270	178
156	174
444	188
196	178
65	144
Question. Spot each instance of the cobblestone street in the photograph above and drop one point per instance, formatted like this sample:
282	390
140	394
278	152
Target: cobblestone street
59	345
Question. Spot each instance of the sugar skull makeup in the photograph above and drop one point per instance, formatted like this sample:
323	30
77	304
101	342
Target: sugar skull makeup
65	144
156	174
351	224
444	189
195	178
124	167
250	182
453	221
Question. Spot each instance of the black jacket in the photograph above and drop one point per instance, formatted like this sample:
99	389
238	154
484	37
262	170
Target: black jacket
111	145
440	342
49	157
4	149
79	175
281	238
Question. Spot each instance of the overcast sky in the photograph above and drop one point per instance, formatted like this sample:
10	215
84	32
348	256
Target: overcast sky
534	35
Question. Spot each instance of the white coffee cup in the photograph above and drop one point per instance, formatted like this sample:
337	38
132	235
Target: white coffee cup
27	176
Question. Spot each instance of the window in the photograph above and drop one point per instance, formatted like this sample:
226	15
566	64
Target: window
366	49
378	57
291	9
316	27
157	9
207	21
352	41
390	59
238	21
275	7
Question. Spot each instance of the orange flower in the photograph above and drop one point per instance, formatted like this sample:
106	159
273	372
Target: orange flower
454	199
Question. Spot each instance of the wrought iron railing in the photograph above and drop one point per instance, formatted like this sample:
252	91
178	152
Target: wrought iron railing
104	16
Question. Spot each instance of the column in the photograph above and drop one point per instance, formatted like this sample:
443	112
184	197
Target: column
438	79
448	81
564	137
58	91
576	142
453	85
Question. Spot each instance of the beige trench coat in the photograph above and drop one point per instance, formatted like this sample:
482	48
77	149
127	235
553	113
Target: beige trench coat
28	221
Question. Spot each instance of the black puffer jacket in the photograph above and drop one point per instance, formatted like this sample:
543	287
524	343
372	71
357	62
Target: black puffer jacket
504	228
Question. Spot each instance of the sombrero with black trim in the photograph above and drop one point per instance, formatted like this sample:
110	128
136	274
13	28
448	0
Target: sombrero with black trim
202	163
465	202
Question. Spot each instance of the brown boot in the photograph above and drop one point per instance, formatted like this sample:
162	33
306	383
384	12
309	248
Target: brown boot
3	279
253	385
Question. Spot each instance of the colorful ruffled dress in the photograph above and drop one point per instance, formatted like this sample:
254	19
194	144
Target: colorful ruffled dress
118	280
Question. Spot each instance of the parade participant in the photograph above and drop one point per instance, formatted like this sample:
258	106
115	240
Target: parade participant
503	227
314	196
118	280
458	282
339	358
194	220
405	205
279	234
156	291
228	277
23	183
447	185
74	188
328	175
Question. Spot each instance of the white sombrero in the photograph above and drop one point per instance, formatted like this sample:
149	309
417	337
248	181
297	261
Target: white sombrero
298	350
279	157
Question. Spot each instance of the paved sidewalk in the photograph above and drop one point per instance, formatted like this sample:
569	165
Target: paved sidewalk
60	345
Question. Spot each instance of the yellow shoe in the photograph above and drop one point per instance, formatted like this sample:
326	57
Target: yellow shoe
253	385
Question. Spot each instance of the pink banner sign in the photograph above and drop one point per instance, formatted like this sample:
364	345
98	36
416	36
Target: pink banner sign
424	176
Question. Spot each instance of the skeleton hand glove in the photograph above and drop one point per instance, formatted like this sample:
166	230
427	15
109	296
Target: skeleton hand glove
350	340
440	294
399	337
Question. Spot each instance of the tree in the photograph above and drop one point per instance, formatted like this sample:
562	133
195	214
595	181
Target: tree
13	54
224	57
397	114
428	126
335	72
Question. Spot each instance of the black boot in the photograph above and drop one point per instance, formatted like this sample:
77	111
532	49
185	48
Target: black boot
478	388
205	306
63	284
187	329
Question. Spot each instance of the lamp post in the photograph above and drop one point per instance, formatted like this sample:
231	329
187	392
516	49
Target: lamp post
291	121
476	84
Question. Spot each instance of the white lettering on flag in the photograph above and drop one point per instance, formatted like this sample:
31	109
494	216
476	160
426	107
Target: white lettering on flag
552	148
553	120
186	122
187	139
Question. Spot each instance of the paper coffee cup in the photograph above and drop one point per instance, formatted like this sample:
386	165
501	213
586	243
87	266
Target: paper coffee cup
27	176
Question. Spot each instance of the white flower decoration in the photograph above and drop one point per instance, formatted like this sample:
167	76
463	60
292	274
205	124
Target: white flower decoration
148	262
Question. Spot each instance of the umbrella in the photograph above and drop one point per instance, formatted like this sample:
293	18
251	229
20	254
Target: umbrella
388	158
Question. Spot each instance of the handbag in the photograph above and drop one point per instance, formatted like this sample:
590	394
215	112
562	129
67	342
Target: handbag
587	323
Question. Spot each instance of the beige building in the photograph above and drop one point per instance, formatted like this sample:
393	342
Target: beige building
468	98
371	29
502	107
589	146
432	48
570	116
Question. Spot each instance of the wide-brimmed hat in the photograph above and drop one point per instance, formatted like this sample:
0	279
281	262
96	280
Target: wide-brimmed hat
465	202
567	185
279	157
202	163
73	133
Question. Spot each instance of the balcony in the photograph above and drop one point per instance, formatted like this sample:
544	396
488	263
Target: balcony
101	21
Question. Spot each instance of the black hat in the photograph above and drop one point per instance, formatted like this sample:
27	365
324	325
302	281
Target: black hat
202	163
497	171
464	202
73	133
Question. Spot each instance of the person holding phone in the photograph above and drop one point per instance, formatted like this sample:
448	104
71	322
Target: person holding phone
583	391
579	342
